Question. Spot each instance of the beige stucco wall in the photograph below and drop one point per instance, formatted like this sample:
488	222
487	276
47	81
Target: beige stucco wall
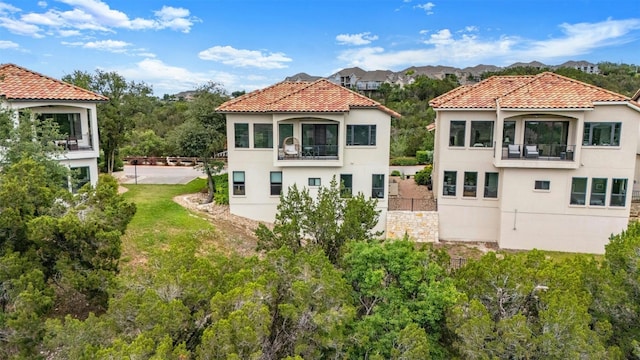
361	162
542	219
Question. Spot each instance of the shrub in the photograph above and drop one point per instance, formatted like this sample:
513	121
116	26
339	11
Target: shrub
221	196
396	173
424	156
403	161
423	177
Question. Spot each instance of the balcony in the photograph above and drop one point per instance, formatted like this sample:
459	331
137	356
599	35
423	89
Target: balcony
310	152
536	156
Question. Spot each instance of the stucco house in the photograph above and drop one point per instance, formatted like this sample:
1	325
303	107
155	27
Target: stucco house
73	108
305	133
540	161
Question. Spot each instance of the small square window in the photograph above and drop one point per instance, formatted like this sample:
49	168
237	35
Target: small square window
314	181
542	185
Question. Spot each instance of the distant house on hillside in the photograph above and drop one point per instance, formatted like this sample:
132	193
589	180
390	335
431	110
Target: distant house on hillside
302	77
540	161
371	80
71	107
583	66
347	77
306	134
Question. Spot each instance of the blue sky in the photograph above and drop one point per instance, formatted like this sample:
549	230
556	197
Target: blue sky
244	45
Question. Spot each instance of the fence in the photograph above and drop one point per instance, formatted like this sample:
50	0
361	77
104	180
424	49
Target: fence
457	263
409	204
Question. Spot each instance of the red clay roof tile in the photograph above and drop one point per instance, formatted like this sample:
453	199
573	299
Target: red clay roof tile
318	96
543	91
18	83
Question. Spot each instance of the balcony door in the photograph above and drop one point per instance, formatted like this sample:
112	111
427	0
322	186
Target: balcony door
322	138
550	136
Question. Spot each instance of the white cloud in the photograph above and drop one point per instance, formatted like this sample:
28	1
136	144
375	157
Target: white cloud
427	7
68	33
245	58
5	44
115	46
468	48
21	28
42	4
356	39
7	8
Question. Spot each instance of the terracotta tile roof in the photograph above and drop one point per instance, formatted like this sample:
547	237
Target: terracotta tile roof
18	83
320	96
543	91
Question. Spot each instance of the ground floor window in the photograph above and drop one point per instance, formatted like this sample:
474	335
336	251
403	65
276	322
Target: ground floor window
314	181
238	183
346	185
542	185
276	182
449	188
377	186
618	192
578	191
470	184
491	185
79	177
598	191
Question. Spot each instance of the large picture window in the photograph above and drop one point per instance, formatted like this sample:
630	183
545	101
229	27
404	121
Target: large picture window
377	186
241	134
618	192
263	136
238	183
482	133
456	133
361	135
68	124
578	191
321	139
601	134
598	191
449	188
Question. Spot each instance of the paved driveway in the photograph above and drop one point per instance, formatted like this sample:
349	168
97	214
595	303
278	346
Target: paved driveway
157	174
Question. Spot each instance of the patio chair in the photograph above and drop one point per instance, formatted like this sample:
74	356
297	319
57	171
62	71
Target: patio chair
513	151
531	152
291	147
72	143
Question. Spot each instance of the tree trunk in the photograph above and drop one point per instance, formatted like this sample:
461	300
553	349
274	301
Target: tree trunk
210	183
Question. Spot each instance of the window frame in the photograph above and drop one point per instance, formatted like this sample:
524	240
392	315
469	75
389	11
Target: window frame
275	183
618	194
352	130
446	184
259	130
470	187
314	181
241	136
377	192
615	133
476	126
454	141
346	191
239	185
486	185
598	184
80	175
542	185
576	196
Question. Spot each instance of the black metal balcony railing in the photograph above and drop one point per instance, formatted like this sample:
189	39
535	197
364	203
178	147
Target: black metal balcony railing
312	152
548	152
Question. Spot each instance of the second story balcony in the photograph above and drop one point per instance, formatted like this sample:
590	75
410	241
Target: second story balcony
544	152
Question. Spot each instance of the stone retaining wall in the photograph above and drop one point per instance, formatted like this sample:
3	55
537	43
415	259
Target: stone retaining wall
420	226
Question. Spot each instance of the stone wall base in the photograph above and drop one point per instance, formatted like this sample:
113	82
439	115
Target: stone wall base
419	226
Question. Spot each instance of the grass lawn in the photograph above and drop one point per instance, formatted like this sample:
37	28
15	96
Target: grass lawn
160	222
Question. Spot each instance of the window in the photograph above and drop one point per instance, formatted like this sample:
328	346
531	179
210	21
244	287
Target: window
508	133
618	192
79	177
263	136
321	139
238	183
68	124
470	184
361	134
314	181
449	183
241	133
542	185
377	186
284	131
491	185
346	185
598	191
578	191
276	183
482	133
456	133
601	134
550	136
